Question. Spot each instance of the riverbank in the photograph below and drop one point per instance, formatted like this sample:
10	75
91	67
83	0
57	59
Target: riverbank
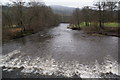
14	33
109	31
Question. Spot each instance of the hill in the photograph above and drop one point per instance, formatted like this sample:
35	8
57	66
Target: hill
62	10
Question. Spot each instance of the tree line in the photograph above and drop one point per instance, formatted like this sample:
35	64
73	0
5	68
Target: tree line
102	12
28	15
22	18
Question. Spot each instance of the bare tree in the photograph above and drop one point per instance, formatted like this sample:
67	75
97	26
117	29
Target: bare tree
18	6
101	5
87	15
7	16
111	6
76	17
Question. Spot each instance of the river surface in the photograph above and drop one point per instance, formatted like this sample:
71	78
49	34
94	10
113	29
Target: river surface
61	52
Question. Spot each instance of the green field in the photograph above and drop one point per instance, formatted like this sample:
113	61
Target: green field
112	24
109	24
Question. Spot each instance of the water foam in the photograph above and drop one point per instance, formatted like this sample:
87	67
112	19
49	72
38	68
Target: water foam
48	66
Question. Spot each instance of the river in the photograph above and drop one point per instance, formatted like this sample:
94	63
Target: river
60	52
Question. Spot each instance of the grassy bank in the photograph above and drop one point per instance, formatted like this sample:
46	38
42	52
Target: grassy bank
93	24
110	29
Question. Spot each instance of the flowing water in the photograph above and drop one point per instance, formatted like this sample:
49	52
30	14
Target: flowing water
60	52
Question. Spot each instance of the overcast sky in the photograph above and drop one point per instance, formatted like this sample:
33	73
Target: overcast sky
69	3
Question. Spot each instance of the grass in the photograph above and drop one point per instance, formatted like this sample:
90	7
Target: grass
112	24
110	28
109	24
